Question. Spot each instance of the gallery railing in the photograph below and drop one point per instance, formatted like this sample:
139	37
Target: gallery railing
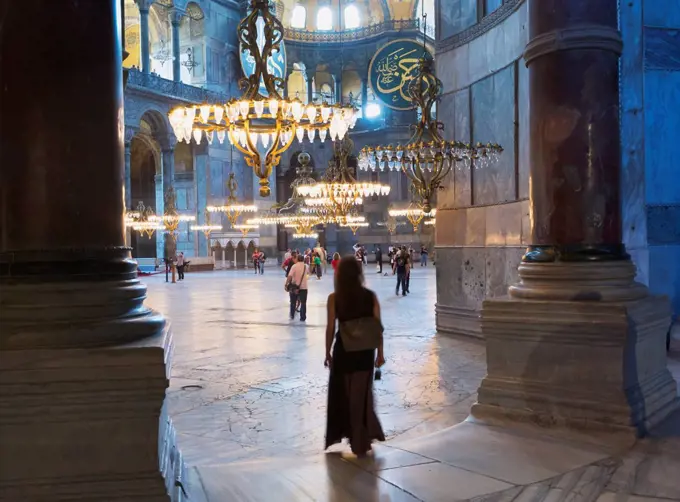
373	30
172	89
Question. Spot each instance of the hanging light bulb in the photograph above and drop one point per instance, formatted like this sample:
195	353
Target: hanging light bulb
210	134
259	108
253	138
325	113
273	107
311	113
311	134
242	136
219	113
322	134
205	113
244	108
220	135
300	133
264	137
296	110
197	136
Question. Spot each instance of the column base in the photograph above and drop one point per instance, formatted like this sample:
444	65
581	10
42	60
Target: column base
575	359
88	424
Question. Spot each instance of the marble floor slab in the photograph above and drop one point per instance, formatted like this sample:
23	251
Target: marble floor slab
247	382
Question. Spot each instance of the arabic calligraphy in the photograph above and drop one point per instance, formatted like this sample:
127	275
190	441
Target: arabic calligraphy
392	69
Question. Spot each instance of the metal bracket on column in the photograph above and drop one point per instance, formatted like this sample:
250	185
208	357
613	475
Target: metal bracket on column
583	37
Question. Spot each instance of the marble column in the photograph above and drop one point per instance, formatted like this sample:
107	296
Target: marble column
338	87
310	88
76	338
175	20
579	343
144	6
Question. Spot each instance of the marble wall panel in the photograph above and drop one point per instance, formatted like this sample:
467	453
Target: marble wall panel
475	226
633	205
504	224
523	129
449	276
451	227
215	182
661	13
662	148
453	68
455	16
664	273
525	237
493	118
663	224
473	276
662	48
501	270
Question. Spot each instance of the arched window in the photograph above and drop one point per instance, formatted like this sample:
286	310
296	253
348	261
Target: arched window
324	19
299	17
352	17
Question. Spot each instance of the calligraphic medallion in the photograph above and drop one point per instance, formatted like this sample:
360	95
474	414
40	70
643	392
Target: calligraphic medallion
391	70
276	64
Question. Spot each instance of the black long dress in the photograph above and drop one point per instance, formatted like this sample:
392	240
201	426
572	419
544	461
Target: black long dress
351	413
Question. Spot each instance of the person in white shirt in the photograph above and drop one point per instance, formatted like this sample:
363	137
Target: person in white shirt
180	266
296	283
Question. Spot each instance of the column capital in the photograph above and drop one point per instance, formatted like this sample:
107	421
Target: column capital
129	134
144	5
175	16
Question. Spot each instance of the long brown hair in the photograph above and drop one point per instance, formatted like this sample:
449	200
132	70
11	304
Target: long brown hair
349	280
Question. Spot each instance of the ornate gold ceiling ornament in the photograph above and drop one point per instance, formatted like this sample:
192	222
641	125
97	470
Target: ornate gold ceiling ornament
233	208
262	127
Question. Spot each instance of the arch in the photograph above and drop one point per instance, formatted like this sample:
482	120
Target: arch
241	251
352	18
159	126
298	18
324	19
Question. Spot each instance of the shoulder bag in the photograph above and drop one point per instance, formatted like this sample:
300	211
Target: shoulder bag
364	333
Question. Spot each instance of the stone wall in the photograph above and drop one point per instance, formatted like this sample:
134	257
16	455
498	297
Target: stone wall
483	213
483	219
651	191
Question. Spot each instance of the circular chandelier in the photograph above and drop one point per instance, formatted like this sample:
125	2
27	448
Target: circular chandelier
413	214
233	209
340	192
171	217
143	220
262	127
427	157
246	228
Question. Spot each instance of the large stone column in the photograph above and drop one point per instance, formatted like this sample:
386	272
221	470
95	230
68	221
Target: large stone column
144	6
83	366
338	87
578	343
168	169
175	20
364	96
310	88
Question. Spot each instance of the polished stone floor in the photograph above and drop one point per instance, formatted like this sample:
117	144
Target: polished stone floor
247	382
248	399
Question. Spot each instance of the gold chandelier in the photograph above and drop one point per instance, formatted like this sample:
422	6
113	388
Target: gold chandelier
262	127
427	158
171	217
207	228
340	192
143	220
246	228
233	209
413	214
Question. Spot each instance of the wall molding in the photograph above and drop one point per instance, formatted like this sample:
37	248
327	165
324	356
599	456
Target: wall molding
487	23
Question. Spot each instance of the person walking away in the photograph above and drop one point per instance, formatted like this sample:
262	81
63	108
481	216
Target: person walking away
400	261
335	262
296	283
317	266
288	263
423	256
180	266
409	267
262	258
256	261
379	258
350	411
287	255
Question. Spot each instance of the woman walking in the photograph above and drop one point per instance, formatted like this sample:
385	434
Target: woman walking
350	387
